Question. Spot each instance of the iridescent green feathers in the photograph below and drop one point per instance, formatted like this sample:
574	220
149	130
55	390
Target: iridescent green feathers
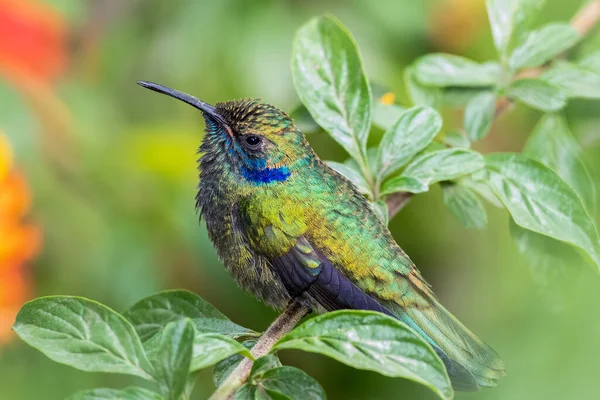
313	236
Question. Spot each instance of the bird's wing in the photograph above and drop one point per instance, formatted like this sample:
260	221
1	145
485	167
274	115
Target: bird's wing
303	269
282	238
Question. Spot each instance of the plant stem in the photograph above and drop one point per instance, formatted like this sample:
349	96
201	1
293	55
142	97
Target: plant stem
397	201
284	323
587	18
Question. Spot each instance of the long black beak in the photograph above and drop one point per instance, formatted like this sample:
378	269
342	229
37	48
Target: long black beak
206	108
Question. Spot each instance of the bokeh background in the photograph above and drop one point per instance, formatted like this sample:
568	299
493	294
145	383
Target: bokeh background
98	176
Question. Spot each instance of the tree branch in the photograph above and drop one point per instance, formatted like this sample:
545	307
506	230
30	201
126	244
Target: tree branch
284	323
586	19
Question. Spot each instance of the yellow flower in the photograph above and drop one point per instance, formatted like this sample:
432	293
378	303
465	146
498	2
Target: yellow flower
19	240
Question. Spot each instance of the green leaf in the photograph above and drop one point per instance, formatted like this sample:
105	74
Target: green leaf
482	189
539	200
537	94
465	205
554	265
225	367
283	383
443	70
420	95
479	115
434	166
130	393
500	13
173	357
508	17
591	62
264	364
153	313
410	134
329	77
83	334
456	139
353	175
552	144
382	211
404	184
573	80
371	341
542	45
210	348
444	165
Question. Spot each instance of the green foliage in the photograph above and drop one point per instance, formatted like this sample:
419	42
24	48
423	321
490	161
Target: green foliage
153	313
574	80
173	356
479	115
553	144
336	93
537	94
130	393
508	18
411	133
542	45
441	70
465	205
409	156
539	200
89	336
433	167
82	334
279	383
210	348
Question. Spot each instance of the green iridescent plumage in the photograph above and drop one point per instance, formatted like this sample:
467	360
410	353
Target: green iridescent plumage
286	225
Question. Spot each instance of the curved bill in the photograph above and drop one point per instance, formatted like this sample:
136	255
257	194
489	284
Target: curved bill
206	108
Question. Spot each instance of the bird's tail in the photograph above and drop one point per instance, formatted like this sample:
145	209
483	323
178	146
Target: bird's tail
471	364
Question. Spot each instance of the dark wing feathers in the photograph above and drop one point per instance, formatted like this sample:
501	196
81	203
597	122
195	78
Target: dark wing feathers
304	270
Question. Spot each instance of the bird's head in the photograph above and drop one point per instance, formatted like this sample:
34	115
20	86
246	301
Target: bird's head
259	141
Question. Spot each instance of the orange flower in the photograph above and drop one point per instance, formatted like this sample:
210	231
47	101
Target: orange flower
19	240
33	54
33	40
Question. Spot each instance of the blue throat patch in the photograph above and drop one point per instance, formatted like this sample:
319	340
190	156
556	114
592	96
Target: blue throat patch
266	175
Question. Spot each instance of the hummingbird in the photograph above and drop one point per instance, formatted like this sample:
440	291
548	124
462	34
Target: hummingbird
287	226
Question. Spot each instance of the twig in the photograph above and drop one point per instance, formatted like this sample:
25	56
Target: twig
587	18
284	323
397	201
584	21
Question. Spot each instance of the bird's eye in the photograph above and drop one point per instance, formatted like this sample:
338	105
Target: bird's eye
253	140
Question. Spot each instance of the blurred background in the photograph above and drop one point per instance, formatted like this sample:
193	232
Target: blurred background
98	177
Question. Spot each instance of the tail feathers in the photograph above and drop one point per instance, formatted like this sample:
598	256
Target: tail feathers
470	363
